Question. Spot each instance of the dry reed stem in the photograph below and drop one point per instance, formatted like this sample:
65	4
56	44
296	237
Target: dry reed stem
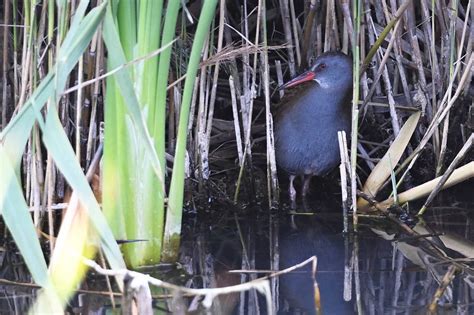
238	136
457	176
201	146
308	31
348	20
287	22
273	192
343	151
279	74
5	50
445	282
97	51
439	116
294	23
398	56
220	39
330	16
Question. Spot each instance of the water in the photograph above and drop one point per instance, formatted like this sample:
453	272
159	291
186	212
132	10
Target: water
397	274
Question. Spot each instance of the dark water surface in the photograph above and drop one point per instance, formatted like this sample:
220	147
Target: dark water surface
395	274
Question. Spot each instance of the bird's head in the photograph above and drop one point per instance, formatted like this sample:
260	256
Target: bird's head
331	71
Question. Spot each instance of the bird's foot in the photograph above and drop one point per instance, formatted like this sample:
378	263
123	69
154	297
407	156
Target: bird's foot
306	182
292	192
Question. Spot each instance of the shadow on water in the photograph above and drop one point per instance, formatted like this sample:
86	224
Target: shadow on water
396	275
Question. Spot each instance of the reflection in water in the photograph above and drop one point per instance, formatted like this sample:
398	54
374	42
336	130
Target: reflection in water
313	237
397	276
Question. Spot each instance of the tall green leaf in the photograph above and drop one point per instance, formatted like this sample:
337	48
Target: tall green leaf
175	203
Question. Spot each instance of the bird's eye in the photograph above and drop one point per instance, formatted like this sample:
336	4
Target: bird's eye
322	66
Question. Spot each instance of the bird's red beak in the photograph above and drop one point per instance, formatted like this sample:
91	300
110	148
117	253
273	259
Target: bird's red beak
304	77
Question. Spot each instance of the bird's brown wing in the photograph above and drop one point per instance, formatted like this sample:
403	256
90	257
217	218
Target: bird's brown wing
290	97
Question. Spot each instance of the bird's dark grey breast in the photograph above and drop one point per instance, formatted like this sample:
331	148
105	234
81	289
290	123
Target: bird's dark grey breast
306	131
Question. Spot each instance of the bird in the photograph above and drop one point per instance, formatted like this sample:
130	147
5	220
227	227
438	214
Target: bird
306	125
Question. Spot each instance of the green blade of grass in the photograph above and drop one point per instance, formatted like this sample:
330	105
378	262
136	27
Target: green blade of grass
58	146
16	133
133	186
15	136
76	41
175	203
17	217
123	80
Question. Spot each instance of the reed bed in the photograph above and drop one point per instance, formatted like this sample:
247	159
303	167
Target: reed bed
213	132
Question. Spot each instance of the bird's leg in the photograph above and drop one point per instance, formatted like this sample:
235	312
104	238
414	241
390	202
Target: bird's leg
306	182
292	191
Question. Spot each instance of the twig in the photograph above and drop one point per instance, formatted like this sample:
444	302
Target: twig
113	71
260	284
